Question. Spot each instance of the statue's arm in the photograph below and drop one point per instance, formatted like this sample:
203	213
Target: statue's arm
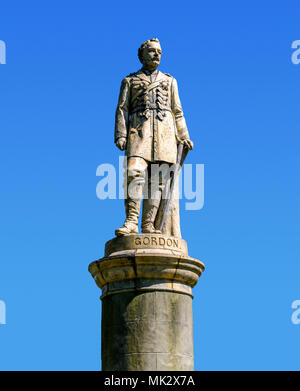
122	115
182	131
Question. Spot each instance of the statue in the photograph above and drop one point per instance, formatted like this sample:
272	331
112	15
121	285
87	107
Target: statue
147	279
150	126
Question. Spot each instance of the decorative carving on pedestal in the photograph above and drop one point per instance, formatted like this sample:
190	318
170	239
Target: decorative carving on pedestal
130	265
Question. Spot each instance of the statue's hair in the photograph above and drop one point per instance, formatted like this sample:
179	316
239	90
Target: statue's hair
143	45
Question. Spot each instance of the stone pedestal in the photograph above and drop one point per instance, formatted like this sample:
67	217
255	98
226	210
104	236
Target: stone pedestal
147	319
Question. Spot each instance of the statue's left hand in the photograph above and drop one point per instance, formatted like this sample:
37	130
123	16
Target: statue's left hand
121	143
188	143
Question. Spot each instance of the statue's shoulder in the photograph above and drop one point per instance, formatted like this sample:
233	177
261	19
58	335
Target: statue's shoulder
170	78
127	79
133	74
130	76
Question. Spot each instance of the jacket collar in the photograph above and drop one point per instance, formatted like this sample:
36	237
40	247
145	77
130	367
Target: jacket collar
141	75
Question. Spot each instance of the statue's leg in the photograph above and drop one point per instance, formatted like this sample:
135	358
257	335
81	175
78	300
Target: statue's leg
156	177
171	226
150	208
136	170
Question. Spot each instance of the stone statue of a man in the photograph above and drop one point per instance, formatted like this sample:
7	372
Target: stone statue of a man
149	126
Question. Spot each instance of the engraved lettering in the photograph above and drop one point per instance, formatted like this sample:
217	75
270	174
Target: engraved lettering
169	242
146	239
161	241
153	241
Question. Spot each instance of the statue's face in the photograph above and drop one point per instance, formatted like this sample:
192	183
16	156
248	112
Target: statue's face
151	55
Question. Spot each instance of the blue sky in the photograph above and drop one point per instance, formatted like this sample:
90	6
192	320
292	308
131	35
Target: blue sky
240	95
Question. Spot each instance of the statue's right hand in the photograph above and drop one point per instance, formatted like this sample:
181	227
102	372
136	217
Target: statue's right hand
121	143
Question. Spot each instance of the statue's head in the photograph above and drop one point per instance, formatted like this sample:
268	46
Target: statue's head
149	53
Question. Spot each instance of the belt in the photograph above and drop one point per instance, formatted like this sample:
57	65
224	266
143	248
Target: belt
151	106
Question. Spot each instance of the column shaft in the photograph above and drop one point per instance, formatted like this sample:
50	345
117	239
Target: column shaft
147	331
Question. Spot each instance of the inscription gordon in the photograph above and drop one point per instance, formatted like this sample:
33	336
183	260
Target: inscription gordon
145	242
157	241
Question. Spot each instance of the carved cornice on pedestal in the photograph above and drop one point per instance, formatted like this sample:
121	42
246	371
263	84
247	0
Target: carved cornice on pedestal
149	268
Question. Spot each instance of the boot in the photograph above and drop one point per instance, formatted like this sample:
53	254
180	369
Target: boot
150	208
130	225
132	206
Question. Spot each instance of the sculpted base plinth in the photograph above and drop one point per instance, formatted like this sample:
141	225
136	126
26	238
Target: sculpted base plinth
147	320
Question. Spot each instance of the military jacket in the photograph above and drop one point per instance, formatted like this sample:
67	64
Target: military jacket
150	116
